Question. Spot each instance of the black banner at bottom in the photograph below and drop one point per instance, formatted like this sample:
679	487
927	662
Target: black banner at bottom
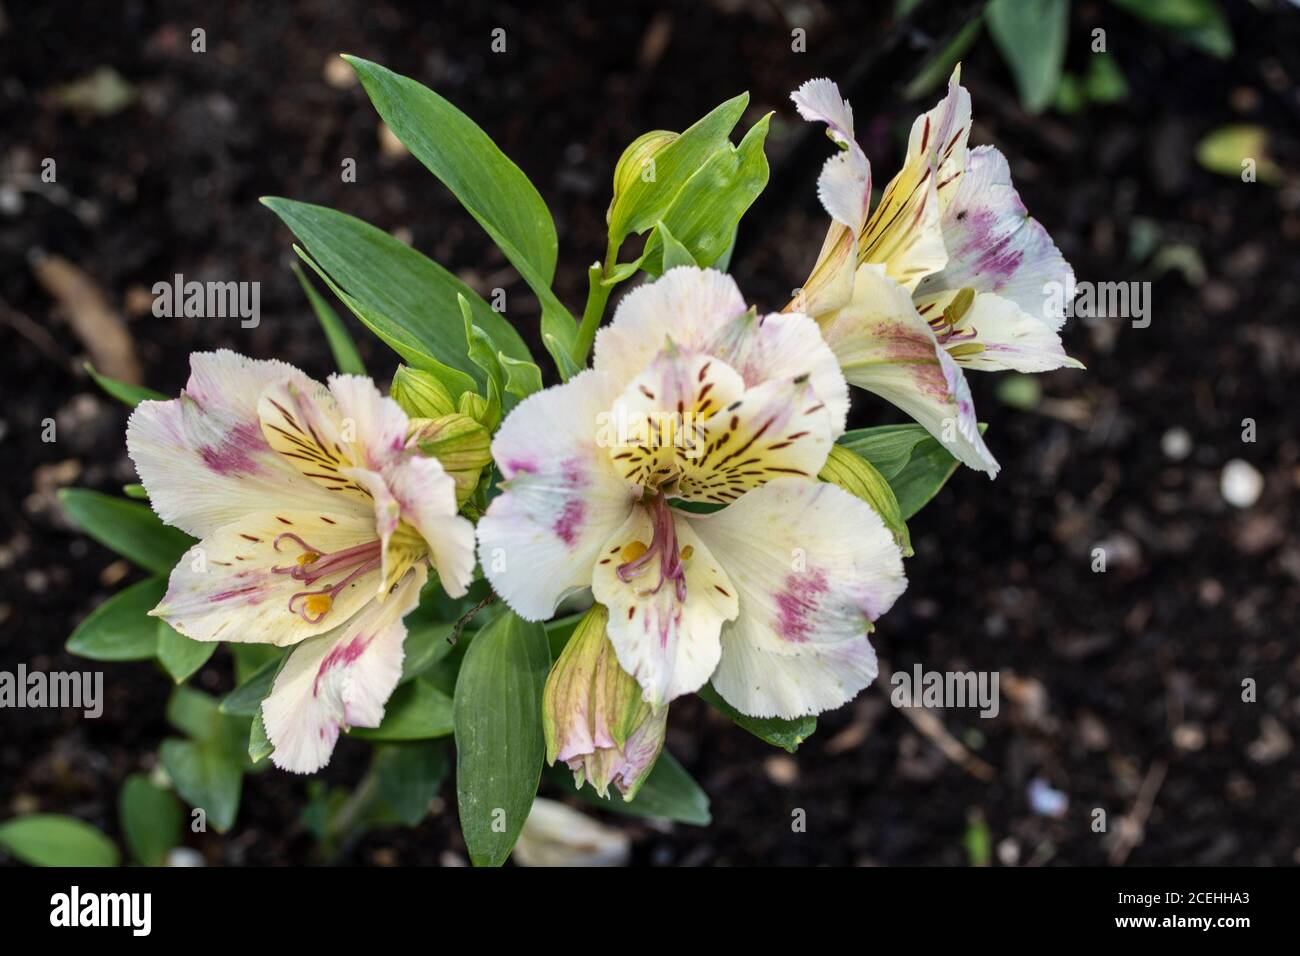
334	905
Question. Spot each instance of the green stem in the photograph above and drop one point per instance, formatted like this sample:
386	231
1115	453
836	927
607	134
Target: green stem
344	828
597	298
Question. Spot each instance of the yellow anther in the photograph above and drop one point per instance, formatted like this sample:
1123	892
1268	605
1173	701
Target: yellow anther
306	558
687	552
318	605
633	550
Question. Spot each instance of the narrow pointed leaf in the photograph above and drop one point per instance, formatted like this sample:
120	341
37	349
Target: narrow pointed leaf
786	734
124	392
127	527
120	628
499	742
490	187
341	345
48	839
403	296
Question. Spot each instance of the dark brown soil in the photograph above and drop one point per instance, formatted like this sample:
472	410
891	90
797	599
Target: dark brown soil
1107	679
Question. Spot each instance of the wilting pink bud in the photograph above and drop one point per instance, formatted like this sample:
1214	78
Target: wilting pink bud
594	717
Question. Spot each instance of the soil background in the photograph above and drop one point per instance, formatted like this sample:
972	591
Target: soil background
1120	690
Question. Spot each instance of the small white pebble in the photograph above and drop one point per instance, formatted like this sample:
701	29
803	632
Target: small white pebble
339	74
1008	852
1176	443
184	856
781	770
1240	484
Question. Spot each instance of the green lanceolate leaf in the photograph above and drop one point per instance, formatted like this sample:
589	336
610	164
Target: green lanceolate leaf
404	297
426	643
120	628
259	745
861	479
207	769
499	741
397	338
887	447
246	699
124	392
336	333
484	354
206	776
128	528
926	472
645	197
1031	35
410	775
668	793
417	711
1202	23
491	188
786	734
522	378
150	818
179	655
915	463
669	253
47	839
704	214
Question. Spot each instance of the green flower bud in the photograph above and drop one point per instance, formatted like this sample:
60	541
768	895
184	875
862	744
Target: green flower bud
860	478
636	162
474	406
461	444
420	394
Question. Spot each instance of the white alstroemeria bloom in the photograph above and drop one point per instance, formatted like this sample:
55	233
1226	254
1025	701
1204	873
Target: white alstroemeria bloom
316	519
696	399
949	271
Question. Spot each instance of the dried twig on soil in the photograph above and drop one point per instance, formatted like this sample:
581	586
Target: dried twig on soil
1132	826
95	324
933	730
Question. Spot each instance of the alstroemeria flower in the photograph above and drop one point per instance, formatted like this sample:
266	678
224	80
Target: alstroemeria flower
947	273
316	518
773	595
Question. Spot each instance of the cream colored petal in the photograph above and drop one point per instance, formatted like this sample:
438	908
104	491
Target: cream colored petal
305	426
940	137
427	495
376	425
1007	336
236	584
339	680
995	247
202	457
664	635
887	348
814	566
784	346
561	497
686	305
905	233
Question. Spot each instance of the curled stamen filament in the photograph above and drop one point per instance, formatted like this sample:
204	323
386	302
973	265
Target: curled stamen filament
663	545
316	604
945	330
314	564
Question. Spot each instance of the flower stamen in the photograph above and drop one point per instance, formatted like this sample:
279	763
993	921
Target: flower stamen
663	545
316	604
